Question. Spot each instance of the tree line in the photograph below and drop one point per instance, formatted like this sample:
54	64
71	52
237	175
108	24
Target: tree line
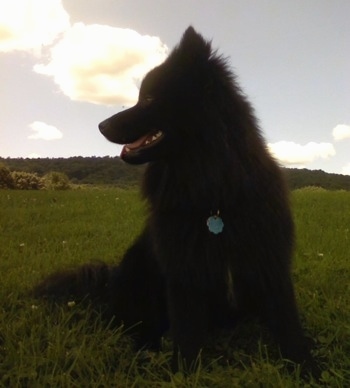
80	170
113	171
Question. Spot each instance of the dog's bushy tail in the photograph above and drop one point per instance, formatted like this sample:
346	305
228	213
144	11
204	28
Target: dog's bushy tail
90	282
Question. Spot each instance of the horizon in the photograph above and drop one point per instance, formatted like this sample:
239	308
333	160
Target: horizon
131	166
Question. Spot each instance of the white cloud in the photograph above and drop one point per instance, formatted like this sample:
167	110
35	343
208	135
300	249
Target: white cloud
341	132
102	64
290	153
94	63
44	131
346	169
30	24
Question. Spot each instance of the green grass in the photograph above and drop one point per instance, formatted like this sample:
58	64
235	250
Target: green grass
42	347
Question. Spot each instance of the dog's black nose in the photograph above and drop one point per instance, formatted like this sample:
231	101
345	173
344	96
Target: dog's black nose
103	126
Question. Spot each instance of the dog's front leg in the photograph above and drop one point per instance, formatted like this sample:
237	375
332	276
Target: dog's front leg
188	322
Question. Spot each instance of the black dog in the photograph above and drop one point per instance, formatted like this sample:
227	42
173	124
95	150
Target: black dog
218	241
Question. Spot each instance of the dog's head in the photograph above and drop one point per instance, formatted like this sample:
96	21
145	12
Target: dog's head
168	100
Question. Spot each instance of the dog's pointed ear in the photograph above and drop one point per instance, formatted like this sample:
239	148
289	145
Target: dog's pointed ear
194	46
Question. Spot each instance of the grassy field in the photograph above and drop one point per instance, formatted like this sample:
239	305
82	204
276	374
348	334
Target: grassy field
42	231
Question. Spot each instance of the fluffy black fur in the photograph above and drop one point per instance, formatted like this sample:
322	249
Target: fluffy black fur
206	156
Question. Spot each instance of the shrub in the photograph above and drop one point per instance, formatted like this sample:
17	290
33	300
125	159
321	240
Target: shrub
311	189
6	180
56	181
26	180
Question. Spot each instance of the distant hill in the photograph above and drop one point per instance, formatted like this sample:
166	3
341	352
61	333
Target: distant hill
298	178
112	170
92	170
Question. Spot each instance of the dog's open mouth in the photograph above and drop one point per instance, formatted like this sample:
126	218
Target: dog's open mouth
148	140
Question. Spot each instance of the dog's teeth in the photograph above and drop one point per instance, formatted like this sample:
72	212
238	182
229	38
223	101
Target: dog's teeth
154	138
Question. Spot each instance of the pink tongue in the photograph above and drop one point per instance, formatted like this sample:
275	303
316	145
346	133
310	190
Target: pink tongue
137	143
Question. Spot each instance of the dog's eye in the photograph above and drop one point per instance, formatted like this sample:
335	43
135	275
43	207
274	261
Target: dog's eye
148	99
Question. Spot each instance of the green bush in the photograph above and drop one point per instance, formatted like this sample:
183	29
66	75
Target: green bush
6	180
26	180
56	181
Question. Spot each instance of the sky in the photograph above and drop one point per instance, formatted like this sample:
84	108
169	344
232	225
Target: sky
67	65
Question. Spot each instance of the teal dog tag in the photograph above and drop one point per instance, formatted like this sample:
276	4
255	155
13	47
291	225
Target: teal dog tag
215	224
